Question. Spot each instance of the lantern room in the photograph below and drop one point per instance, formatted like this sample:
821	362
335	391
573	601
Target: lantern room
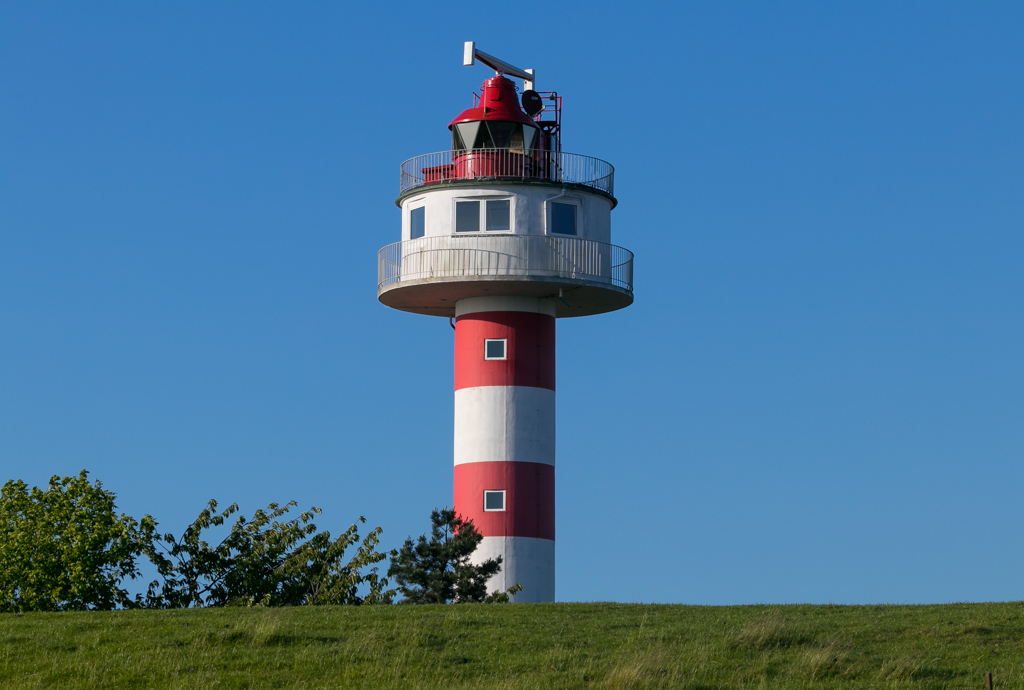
497	122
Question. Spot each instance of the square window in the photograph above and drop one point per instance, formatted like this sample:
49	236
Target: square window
498	214
467	216
494	501
494	349
563	218
417	224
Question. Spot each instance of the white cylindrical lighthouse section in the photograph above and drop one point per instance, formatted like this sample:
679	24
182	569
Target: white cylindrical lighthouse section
505	436
507	209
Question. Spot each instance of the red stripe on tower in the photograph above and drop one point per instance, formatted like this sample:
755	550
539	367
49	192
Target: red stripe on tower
529	353
529	505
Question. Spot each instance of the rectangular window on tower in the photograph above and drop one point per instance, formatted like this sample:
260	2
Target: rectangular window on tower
484	215
417	223
494	501
494	349
467	216
563	218
498	216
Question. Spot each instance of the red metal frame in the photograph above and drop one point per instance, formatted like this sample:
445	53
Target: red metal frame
550	119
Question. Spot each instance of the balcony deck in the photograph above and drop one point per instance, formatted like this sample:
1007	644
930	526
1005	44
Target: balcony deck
428	275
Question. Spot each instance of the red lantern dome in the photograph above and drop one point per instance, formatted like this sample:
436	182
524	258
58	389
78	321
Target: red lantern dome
498	122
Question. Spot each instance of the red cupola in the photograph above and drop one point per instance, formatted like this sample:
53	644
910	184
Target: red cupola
497	122
499	102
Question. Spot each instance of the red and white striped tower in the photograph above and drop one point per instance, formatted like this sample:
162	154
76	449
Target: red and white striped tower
504	233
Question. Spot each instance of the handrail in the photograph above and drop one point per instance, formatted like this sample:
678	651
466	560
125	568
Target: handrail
447	167
559	258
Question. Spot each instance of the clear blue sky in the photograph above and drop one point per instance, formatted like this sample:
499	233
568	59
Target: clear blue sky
818	395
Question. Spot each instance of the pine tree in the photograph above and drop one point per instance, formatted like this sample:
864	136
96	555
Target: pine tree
438	570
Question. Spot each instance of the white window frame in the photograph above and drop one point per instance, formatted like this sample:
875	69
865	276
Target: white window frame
570	200
503	501
504	349
483	214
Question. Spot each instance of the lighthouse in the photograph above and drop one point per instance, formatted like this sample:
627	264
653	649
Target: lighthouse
504	234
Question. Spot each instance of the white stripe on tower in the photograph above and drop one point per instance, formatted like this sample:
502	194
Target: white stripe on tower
505	436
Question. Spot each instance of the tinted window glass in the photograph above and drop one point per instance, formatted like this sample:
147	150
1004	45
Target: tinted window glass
563	218
515	142
417	226
456	140
467	216
500	132
494	349
529	137
498	214
494	500
468	132
483	139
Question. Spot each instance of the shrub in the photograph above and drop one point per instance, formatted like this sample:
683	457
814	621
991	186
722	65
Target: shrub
65	548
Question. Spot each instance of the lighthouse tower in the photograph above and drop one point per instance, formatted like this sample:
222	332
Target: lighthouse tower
503	234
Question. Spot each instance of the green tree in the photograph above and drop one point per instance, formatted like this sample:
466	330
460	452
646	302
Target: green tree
438	570
65	548
265	561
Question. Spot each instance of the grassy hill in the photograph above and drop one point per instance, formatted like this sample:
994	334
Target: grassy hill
522	646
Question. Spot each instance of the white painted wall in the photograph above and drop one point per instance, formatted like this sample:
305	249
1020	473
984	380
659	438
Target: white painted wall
529	209
504	424
532	305
528	561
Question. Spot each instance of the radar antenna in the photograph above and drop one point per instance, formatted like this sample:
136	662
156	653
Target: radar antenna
471	54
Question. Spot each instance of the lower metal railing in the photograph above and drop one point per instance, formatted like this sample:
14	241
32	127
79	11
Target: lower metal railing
505	255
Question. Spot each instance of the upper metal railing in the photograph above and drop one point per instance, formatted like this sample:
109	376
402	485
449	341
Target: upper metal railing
445	167
448	257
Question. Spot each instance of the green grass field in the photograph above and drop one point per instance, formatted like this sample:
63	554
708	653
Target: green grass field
520	646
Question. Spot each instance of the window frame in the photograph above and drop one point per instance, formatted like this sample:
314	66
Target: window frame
482	200
504	349
504	501
549	207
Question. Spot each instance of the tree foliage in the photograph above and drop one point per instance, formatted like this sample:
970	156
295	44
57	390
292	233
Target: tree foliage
64	547
438	570
265	561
